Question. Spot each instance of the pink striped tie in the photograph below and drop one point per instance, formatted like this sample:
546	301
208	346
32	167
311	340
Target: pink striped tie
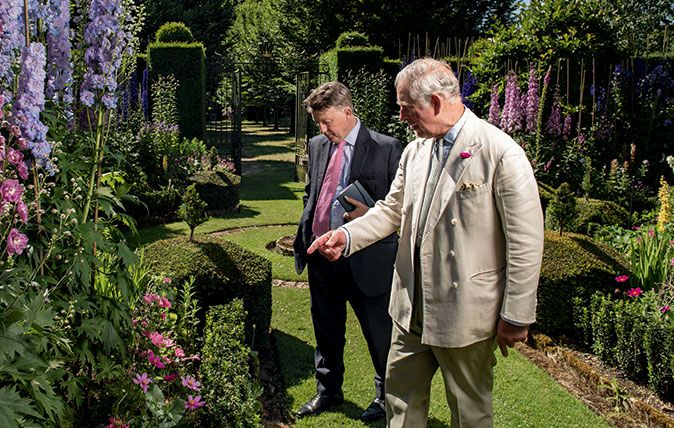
330	182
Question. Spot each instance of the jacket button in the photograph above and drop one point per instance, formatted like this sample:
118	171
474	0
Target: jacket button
455	222
455	285
451	253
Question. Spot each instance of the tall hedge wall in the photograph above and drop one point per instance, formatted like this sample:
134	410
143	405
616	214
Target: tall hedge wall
186	62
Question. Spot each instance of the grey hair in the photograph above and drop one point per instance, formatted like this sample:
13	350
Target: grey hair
331	94
427	76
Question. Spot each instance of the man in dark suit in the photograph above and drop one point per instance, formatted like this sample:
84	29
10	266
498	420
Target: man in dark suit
345	151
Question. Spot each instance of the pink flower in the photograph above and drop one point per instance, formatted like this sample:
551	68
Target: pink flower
155	360
157	339
16	242
651	233
465	155
664	309
164	302
170	377
23	143
622	278
193	403
14	156
22	169
179	352
634	292
167	280
168	343
11	190
143	381
22	210
191	383
150	298
163	316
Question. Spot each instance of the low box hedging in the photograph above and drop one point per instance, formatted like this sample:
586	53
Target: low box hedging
595	212
229	370
219	189
633	335
573	266
223	271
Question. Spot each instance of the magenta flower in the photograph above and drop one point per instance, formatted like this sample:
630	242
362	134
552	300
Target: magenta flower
179	352
465	155
11	190
155	360
170	377
622	278
651	233
664	309
157	339
191	383
150	298
143	381
194	403
163	302
22	211
167	280
16	242
634	292
14	156
22	169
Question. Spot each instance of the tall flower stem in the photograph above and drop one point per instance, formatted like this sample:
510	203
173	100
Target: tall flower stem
98	148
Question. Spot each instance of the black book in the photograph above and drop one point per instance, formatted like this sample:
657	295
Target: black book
355	191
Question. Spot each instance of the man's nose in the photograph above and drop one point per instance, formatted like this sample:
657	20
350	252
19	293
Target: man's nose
322	128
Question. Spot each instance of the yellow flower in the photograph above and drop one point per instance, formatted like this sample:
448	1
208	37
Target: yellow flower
665	213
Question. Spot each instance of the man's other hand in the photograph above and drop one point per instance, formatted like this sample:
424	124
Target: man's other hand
359	211
331	244
508	334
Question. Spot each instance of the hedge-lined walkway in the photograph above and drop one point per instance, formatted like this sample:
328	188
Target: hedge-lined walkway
271	204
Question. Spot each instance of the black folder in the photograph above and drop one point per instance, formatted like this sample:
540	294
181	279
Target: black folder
355	191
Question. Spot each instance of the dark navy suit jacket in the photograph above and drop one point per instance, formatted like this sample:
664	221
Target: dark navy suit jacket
374	164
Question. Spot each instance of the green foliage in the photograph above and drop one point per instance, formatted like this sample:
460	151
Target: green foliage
400	130
186	311
562	210
219	189
595	213
186	62
371	97
573	266
356	59
230	384
352	38
192	210
651	254
222	271
164	104
174	32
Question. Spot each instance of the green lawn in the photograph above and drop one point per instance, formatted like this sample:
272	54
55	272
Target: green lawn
271	204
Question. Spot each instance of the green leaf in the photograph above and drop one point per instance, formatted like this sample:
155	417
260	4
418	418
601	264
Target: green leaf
12	404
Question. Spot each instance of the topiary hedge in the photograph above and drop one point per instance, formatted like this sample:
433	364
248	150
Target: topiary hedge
223	271
174	32
573	266
228	370
352	38
596	212
219	189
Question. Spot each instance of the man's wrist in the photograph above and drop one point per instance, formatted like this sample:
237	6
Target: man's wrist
347	245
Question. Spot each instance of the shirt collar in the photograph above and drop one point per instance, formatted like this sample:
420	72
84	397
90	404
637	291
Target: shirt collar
450	136
352	136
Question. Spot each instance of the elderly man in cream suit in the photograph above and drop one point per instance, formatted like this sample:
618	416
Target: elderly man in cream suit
471	241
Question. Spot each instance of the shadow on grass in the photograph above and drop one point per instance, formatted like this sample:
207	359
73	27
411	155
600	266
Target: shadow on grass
263	180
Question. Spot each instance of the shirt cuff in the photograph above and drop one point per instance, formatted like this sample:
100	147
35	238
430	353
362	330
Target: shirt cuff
347	247
515	323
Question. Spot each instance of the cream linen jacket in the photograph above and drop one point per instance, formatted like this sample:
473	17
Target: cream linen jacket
483	240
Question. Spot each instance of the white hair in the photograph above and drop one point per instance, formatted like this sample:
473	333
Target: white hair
427	76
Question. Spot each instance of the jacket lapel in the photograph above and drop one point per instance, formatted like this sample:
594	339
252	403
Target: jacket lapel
321	165
419	176
360	151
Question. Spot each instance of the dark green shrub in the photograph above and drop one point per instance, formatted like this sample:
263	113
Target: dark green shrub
659	346
371	97
340	60
229	388
561	212
573	266
223	271
193	210
352	38
172	32
186	62
603	327
546	193
593	213
160	206
630	328
219	189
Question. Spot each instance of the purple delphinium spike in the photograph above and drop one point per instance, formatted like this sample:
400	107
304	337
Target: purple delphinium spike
494	107
10	43
566	128
554	125
511	119
30	103
531	107
59	67
145	95
106	42
468	88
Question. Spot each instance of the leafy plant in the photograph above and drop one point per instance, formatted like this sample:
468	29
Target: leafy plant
562	208
192	210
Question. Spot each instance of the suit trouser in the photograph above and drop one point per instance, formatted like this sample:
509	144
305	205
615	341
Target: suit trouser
467	373
332	285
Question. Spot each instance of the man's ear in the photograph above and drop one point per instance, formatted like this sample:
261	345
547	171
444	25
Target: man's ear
436	102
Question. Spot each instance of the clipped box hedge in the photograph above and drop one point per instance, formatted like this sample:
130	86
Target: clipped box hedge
186	62
223	271
219	189
229	370
574	266
355	58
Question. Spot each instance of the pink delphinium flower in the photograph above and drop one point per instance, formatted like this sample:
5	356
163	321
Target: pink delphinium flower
622	278
511	119
143	381
22	211
531	107
11	190
16	242
634	292
194	403
191	383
